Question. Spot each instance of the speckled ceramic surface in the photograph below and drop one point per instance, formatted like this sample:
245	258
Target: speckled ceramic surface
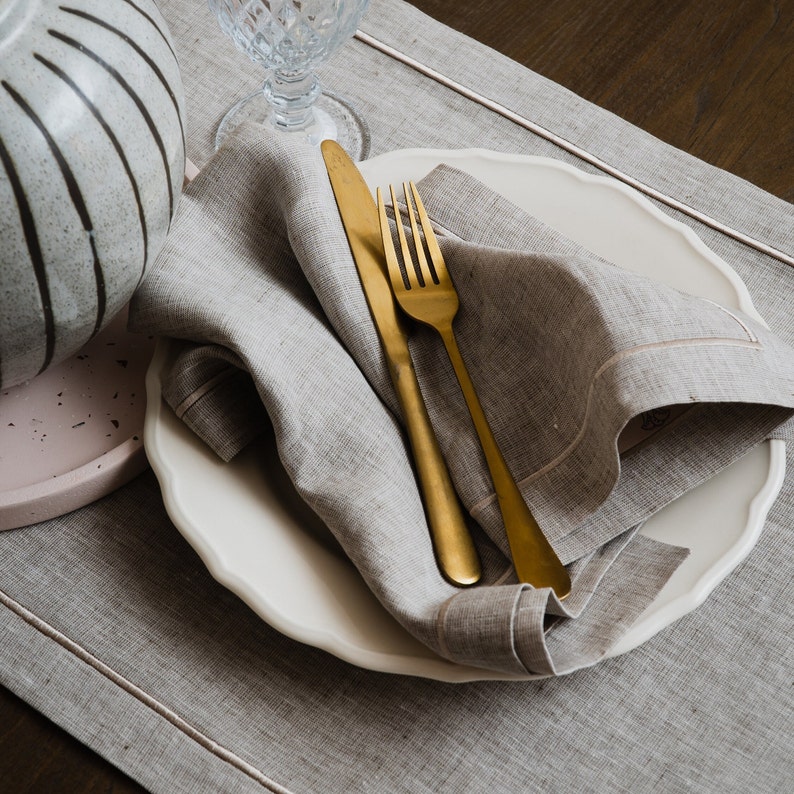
91	165
74	433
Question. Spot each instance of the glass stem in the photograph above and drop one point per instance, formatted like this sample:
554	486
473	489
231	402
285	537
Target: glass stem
292	95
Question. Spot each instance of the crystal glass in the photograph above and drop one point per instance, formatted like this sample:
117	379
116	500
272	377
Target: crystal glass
290	38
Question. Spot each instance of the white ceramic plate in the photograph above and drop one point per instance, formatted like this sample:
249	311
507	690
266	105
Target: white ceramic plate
257	539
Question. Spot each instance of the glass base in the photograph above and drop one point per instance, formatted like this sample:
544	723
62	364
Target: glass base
335	118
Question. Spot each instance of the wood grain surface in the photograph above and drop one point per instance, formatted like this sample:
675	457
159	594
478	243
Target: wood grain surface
713	77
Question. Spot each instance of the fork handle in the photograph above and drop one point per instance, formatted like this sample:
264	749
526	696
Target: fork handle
452	543
535	560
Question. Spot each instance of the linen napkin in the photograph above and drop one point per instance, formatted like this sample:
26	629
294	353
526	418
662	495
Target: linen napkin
566	350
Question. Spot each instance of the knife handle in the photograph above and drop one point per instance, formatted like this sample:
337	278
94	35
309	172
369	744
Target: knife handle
453	545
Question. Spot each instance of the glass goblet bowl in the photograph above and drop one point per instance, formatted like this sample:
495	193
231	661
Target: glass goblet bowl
290	39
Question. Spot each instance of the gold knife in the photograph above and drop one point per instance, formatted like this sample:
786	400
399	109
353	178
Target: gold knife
454	549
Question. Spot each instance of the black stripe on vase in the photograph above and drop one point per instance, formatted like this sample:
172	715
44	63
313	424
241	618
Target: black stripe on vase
77	200
155	26
152	65
34	250
134	97
116	145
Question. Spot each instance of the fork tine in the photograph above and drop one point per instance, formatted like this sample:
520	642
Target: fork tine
410	276
425	274
395	275
438	263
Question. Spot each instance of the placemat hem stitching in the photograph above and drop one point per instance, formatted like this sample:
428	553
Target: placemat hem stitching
147	700
573	149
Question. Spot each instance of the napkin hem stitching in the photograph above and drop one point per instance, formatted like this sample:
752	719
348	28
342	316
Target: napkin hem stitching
750	334
192	398
609	363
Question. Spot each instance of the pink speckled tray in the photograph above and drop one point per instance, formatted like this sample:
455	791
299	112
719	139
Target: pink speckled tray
75	432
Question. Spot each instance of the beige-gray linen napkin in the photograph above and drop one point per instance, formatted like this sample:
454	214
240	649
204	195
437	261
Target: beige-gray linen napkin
565	350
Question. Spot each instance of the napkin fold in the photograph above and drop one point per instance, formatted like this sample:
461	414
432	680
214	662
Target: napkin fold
570	355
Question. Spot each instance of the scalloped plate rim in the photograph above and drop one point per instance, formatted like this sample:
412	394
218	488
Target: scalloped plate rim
423	662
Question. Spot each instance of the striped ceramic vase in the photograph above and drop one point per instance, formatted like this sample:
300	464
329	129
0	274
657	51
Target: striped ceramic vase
92	156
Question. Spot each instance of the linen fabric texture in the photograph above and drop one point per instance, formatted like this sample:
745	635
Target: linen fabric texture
565	349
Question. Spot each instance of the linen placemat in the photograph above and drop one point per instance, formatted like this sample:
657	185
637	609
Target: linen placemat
114	629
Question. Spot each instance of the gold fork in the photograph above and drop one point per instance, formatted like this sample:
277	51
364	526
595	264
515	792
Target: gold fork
426	293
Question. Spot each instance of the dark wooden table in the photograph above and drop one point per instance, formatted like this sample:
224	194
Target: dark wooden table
713	77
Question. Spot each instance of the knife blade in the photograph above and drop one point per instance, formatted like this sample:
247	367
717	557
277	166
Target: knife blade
454	549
